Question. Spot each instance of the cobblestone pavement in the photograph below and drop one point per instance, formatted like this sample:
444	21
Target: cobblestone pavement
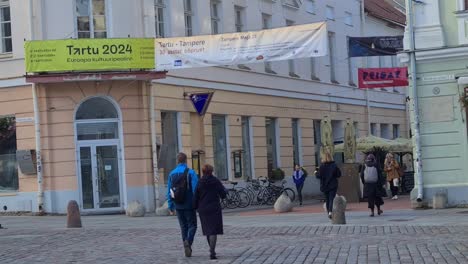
150	240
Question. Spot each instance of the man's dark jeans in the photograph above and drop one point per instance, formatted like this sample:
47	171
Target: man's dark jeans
330	196
188	224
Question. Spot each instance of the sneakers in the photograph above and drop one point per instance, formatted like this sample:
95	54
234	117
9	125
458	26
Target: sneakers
395	197
330	215
187	249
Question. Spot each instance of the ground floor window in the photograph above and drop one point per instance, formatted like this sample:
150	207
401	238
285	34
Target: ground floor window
296	140
8	166
317	141
246	146
272	146
170	140
220	154
396	131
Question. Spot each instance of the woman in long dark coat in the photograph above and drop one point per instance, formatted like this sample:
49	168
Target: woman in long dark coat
373	181
207	201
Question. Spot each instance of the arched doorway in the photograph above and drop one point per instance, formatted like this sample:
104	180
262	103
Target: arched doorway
99	148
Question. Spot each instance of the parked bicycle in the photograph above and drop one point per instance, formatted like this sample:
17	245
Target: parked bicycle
235	197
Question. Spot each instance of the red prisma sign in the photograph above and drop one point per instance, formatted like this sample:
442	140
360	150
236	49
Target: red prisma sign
383	77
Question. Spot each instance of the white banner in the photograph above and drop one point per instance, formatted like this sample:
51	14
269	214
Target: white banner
285	43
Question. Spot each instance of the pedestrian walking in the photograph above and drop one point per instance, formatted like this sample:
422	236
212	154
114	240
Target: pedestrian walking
180	191
392	168
207	201
328	174
299	176
373	181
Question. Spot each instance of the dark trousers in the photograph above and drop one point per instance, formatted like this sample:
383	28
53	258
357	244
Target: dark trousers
329	197
299	191
373	201
188	224
393	188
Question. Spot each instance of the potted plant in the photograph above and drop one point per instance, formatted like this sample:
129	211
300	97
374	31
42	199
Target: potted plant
277	174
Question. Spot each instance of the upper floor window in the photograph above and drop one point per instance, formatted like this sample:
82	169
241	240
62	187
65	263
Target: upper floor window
188	14
331	56
159	7
348	19
91	18
310	6
5	27
239	15
215	17
330	13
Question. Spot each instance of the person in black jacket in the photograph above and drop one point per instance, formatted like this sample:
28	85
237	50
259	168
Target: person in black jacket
373	181
328	174
207	201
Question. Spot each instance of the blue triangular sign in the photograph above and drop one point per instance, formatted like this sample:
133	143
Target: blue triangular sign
201	101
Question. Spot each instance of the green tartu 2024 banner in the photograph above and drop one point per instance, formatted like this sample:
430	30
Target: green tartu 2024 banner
89	55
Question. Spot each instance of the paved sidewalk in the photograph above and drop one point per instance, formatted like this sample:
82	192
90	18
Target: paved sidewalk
399	236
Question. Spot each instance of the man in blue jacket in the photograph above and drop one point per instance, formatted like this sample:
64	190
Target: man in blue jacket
185	213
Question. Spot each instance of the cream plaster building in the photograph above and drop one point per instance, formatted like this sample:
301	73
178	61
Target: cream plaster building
96	135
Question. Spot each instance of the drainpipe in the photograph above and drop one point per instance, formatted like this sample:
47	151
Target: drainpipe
37	126
157	202
414	101
363	33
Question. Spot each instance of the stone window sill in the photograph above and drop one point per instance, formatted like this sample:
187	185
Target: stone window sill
4	194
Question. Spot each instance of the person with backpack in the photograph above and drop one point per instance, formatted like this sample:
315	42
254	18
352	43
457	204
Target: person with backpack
373	181
299	177
181	187
208	194
328	174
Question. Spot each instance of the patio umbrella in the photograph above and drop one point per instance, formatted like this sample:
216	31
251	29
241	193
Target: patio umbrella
402	145
326	137
367	144
349	142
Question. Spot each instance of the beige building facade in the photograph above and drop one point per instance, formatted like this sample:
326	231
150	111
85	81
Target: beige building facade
96	135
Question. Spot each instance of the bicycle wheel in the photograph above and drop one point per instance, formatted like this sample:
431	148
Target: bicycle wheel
244	199
232	199
223	203
290	193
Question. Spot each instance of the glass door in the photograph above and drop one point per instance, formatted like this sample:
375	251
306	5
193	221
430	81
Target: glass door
108	176
100	177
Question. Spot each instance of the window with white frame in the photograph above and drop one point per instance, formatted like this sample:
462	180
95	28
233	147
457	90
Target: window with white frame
296	140
91	18
313	68
331	56
5	27
215	16
159	10
352	71
266	24
220	147
291	63
170	141
310	6
373	127
348	19
396	131
385	131
239	18
272	144
330	13
246	148
8	164
356	129
188	17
